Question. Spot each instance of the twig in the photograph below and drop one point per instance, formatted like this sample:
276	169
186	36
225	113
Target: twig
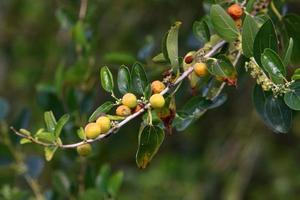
82	9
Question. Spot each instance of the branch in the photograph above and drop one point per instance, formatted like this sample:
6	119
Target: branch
129	118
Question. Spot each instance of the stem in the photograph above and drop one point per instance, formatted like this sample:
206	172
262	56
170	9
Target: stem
83	9
275	10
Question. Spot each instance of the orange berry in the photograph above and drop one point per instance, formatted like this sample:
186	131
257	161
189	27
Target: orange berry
157	86
235	11
123	111
200	69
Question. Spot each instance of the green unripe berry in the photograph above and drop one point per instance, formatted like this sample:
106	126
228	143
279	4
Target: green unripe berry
92	130
104	123
157	101
129	100
84	149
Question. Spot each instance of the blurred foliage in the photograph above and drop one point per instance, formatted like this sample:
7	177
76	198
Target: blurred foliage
50	60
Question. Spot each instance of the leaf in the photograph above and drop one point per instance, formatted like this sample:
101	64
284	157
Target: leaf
265	38
102	178
288	53
80	133
147	92
249	6
106	79
150	139
49	152
61	183
292	98
201	30
296	75
50	121
60	124
25	132
25	141
172	45
104	108
124	79
114	183
273	111
272	63
291	24
45	136
159	58
139	78
221	67
250	29
223	23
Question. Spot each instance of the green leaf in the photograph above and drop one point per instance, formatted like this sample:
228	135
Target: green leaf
124	79
250	29
147	92
172	45
159	58
45	136
201	30
114	183
79	33
80	133
223	23
50	121
221	67
49	152
107	81
25	132
139	78
25	141
272	63
249	6
102	178
292	98
291	24
288	53
265	38
150	139
273	111
60	124
296	75
61	183
104	108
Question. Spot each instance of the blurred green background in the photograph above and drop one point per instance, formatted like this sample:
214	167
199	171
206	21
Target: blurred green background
48	60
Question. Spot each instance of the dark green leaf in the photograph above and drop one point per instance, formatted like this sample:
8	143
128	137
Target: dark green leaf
102	178
265	38
147	92
223	23
296	75
249	6
250	29
61	183
172	45
150	139
272	63
288	53
292	98
60	124
139	78
221	67
104	108
201	30
107	81
50	121
49	152
124	79
114	183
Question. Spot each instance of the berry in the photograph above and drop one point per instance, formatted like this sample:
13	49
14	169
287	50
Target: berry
157	101
92	130
129	100
188	59
235	11
123	110
104	123
200	69
84	149
157	86
138	108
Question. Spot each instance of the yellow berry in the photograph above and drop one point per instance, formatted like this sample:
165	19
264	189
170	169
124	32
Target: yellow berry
123	110
104	123
157	101
157	86
129	100
84	149
92	130
200	69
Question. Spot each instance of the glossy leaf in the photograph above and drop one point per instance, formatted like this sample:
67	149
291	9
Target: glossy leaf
124	79
296	75
172	45
265	38
60	124
106	79
223	24
104	108
45	136
292	98
221	67
249	5
201	30
50	121
288	53
250	29
49	152
272	63
150	139
139	78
